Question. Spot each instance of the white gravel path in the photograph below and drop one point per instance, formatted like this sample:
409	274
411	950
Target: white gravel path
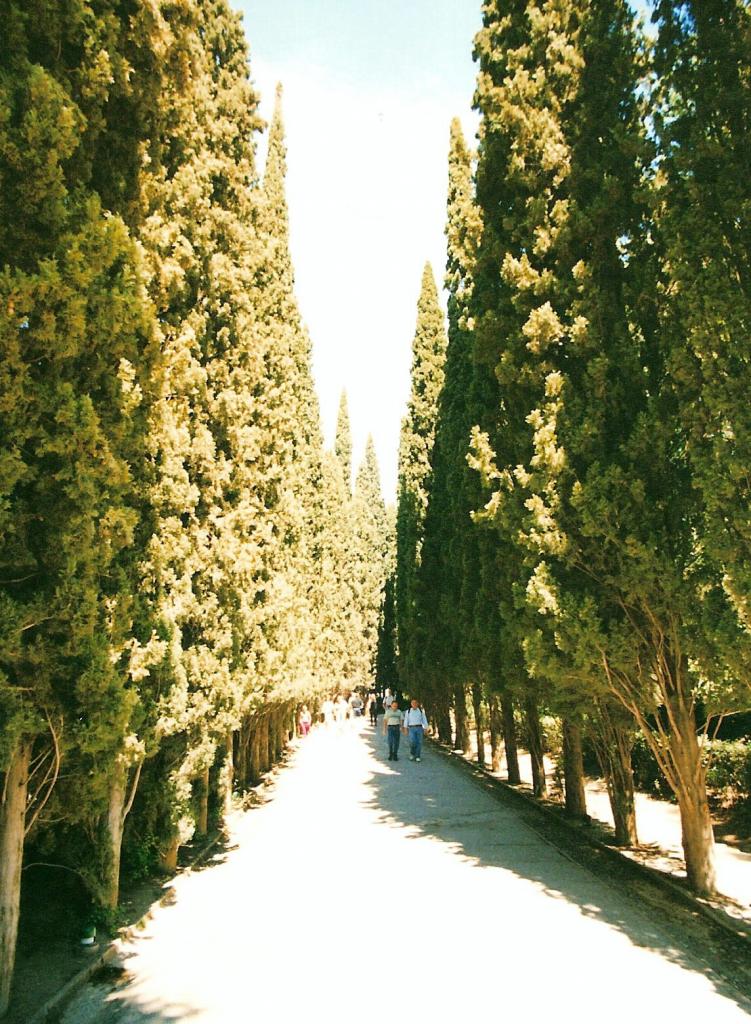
367	891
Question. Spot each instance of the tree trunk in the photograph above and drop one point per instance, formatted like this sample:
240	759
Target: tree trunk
461	741
254	767
479	722
169	854
613	743
536	750
675	745
443	721
244	759
265	762
696	823
271	739
202	812
114	823
573	770
281	734
496	732
12	826
229	772
509	741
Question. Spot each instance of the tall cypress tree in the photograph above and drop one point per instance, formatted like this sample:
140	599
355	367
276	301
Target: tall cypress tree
598	490
503	392
415	449
442	668
703	122
77	339
343	440
369	528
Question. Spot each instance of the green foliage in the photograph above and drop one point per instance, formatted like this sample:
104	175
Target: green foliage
729	768
370	556
447	582
177	555
415	450
702	199
343	441
598	392
648	776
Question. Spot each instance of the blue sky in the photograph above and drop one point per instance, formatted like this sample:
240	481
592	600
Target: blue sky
370	87
369	91
411	44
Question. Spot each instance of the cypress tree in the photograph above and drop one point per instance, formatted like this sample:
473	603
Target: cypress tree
415	448
449	532
703	123
602	496
502	392
343	441
338	623
201	236
369	527
77	343
386	670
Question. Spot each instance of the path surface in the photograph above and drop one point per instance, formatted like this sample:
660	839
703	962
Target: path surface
363	883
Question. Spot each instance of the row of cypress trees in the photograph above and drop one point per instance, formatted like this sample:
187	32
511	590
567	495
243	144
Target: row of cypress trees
175	575
573	518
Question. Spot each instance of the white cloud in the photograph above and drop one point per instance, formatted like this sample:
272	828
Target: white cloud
367	195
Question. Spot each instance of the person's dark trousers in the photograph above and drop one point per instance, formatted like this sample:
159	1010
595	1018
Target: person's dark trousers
394	733
415	740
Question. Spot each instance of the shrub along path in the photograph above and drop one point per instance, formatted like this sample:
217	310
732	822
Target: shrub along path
365	889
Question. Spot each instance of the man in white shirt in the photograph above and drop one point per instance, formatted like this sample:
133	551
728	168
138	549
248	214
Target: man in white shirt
415	723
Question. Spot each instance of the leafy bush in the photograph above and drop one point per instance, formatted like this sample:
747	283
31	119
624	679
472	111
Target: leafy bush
729	767
552	736
647	775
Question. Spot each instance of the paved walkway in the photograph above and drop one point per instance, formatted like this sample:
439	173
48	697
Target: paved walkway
368	891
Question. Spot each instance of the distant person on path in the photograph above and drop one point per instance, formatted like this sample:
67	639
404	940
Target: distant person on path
392	725
355	703
328	711
342	710
415	723
305	720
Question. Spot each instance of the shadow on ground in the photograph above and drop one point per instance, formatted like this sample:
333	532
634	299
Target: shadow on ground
438	799
407	795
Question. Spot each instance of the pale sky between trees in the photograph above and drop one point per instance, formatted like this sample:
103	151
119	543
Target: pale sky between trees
370	87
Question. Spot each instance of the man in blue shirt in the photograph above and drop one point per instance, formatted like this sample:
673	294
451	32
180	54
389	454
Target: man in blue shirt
416	723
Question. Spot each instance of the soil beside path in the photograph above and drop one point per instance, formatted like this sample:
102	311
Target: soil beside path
363	883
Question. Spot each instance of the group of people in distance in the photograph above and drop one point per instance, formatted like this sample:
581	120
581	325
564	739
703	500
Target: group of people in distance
335	710
412	722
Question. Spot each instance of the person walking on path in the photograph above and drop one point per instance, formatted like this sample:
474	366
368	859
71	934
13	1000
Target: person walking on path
341	711
305	720
392	726
355	704
416	723
376	709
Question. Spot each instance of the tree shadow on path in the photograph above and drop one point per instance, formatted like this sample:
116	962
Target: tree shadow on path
439	800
